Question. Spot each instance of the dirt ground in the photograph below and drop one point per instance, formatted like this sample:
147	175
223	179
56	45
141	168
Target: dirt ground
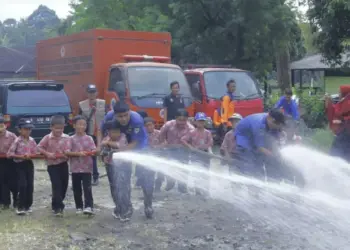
181	221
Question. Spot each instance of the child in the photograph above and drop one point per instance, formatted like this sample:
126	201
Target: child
154	142
171	134
54	146
81	165
8	179
114	140
199	139
228	144
21	150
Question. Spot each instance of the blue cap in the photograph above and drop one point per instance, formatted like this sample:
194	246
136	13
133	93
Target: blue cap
91	88
25	123
200	116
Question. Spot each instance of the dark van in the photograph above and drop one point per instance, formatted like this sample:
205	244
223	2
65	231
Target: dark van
35	100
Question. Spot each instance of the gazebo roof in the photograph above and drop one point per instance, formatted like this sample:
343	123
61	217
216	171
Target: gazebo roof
316	62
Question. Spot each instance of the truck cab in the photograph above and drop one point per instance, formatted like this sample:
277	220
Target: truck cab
208	85
143	82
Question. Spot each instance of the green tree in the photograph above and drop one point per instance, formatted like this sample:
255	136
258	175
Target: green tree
249	34
331	20
309	37
115	14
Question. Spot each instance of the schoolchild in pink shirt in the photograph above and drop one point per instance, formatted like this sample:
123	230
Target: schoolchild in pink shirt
200	139
153	143
113	141
21	151
171	134
81	166
54	147
8	175
228	146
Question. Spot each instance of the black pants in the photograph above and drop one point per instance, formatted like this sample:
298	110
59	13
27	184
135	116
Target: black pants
341	145
25	174
95	173
147	185
59	177
8	182
203	161
123	188
112	179
82	182
178	154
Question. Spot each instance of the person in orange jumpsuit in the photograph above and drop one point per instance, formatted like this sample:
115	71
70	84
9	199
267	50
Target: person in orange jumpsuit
339	121
226	109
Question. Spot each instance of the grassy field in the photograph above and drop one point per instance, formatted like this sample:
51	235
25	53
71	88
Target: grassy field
333	83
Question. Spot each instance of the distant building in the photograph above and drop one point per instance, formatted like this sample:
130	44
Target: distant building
17	62
312	71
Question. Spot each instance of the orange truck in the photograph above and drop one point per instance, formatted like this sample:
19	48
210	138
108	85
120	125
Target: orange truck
130	65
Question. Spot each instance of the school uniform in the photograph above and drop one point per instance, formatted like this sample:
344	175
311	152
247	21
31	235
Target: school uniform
25	170
203	141
57	168
112	172
172	134
82	169
8	174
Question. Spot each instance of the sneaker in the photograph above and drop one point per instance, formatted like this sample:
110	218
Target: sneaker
127	216
29	210
116	214
58	213
149	212
79	211
88	211
20	212
124	218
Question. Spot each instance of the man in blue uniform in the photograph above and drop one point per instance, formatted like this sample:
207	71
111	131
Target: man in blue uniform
132	125
255	138
290	107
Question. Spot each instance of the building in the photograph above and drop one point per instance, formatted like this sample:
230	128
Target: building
17	62
313	72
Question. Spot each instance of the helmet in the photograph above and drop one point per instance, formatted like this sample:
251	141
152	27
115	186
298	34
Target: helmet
236	116
200	116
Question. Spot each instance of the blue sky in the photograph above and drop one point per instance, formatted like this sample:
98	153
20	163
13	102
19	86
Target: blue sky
22	8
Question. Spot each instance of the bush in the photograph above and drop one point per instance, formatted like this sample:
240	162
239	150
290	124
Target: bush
312	110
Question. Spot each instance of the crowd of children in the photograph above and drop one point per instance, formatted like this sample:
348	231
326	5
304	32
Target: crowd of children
64	154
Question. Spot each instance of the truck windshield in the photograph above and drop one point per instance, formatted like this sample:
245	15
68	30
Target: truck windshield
215	84
155	81
37	101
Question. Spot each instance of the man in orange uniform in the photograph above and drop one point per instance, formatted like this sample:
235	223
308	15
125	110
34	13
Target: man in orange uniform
339	118
226	110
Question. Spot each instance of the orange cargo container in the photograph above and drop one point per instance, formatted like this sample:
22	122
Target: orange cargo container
130	65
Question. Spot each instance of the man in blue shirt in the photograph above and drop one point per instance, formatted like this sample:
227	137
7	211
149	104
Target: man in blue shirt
255	137
289	105
132	125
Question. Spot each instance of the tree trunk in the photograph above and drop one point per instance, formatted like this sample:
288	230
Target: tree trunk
283	72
